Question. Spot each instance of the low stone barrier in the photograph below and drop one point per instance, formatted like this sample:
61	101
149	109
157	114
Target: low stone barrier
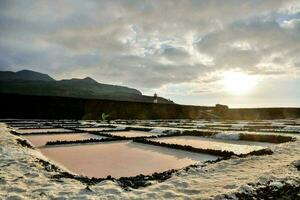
92	140
266	138
46	133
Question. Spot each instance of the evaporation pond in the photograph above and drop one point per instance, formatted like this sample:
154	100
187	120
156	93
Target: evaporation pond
121	159
133	133
42	130
41	140
96	129
236	146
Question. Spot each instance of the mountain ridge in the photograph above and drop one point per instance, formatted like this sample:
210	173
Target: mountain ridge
36	83
28	75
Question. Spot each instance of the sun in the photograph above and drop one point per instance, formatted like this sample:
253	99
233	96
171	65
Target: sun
238	83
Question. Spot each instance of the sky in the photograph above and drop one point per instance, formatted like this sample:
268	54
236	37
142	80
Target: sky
240	53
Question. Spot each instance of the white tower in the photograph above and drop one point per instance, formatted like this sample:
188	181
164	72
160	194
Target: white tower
155	98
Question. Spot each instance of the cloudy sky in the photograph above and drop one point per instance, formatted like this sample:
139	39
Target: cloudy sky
183	50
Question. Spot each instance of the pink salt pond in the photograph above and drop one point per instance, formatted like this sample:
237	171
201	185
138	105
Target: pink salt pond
133	133
42	130
236	146
121	159
41	140
95	129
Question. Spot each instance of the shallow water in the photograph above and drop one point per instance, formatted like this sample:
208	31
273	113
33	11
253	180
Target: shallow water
236	146
95	129
42	130
134	133
120	159
40	140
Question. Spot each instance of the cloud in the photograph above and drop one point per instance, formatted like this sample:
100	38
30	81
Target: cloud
150	44
259	44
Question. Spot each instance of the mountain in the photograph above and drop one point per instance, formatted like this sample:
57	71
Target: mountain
25	75
34	83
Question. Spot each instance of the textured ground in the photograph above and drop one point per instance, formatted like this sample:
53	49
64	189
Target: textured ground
21	177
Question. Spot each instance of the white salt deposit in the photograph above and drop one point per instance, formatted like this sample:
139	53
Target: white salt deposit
21	177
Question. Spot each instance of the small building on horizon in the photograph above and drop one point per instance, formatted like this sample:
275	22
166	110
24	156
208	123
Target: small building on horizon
155	99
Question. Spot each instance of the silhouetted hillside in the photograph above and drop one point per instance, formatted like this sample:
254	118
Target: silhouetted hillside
34	83
24	75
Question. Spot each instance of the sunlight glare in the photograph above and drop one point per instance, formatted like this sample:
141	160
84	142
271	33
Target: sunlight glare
238	83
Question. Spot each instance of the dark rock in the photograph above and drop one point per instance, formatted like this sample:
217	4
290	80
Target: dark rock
269	191
297	165
24	143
